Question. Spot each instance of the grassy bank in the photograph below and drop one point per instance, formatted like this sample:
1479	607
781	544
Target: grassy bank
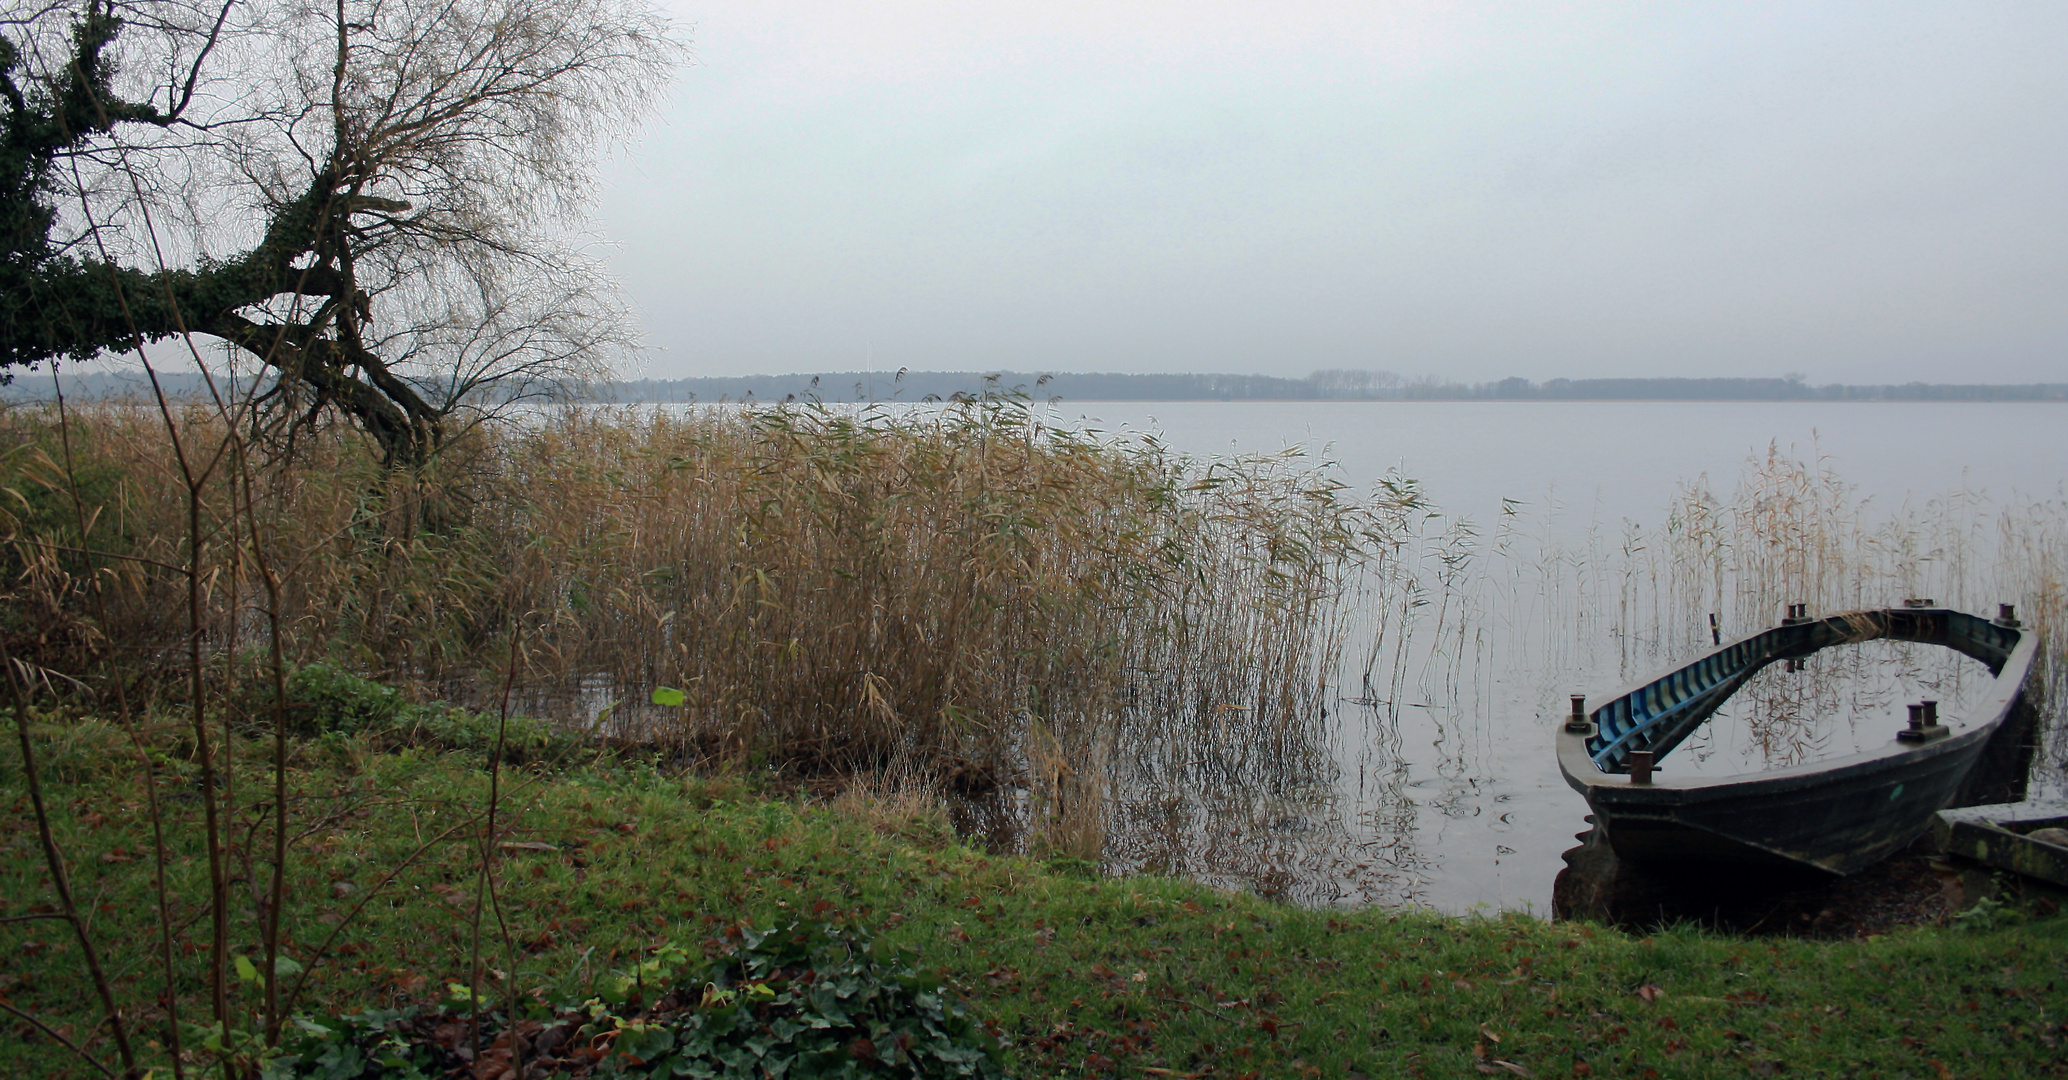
596	866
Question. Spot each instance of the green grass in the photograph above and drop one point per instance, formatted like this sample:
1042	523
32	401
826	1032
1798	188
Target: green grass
1128	977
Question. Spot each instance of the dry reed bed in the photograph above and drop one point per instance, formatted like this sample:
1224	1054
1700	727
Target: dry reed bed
963	593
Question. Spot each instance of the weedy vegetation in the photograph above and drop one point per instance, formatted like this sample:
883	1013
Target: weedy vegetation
962	600
277	806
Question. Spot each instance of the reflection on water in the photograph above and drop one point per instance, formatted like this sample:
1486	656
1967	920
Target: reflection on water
1842	700
1432	806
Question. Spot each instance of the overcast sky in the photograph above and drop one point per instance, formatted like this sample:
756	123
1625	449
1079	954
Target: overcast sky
1871	192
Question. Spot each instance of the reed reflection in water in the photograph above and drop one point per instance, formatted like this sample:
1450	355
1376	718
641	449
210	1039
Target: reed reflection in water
1843	700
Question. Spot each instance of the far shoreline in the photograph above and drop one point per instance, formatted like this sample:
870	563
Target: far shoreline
1074	388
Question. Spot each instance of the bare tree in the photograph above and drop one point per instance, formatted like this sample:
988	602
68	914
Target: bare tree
376	200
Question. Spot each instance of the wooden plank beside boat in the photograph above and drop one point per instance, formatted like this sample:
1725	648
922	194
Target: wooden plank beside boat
1837	815
2000	836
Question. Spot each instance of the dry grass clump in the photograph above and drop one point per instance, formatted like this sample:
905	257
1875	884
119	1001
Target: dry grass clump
1795	531
906	809
838	591
1792	531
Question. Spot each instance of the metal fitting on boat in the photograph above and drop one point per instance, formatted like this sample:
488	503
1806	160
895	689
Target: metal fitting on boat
1924	723
1797	613
2007	616
1577	722
1920	601
1640	766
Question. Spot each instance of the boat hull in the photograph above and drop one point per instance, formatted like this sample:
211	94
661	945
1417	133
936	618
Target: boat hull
1838	821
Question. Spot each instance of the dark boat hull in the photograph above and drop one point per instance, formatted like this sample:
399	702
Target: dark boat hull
1840	820
1837	816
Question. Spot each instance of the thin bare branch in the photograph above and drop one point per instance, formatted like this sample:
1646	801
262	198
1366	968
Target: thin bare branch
68	1044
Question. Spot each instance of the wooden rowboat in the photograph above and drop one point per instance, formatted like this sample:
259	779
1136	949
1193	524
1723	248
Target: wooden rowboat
1837	815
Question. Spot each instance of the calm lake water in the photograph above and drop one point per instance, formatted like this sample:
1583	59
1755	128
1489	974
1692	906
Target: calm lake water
1546	566
1582	463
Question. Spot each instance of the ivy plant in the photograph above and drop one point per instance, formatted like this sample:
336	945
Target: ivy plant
805	1001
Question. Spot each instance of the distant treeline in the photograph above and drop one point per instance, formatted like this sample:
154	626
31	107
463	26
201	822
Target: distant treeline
104	385
1333	385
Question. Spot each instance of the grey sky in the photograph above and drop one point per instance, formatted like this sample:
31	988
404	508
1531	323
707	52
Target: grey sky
1859	192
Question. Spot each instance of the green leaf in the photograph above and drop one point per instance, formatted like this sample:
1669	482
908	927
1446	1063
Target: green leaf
311	1026
668	696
